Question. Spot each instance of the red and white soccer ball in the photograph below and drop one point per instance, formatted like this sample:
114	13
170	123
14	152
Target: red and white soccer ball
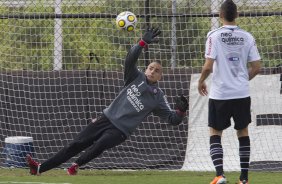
126	21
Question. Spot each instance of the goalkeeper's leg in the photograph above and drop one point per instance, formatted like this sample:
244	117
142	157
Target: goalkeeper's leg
83	140
110	138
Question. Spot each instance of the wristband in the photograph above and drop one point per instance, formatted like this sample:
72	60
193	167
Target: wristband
143	44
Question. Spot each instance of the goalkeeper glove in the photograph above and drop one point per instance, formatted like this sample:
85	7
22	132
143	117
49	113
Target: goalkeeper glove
149	37
181	103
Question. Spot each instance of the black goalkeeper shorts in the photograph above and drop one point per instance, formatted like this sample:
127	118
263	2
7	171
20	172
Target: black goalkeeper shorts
221	111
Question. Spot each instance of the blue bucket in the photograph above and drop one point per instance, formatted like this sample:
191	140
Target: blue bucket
15	150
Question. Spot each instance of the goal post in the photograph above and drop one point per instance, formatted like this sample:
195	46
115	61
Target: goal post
61	64
58	38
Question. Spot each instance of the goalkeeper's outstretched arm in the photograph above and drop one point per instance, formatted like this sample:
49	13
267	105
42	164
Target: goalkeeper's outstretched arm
130	68
171	116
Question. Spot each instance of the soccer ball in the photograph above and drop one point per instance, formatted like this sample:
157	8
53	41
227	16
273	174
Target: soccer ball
126	21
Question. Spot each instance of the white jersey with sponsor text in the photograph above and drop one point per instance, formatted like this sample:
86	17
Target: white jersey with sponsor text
231	48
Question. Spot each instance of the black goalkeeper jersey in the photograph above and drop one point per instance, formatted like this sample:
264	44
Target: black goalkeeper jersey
138	99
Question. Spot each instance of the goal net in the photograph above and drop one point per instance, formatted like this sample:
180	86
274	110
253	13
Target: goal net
61	64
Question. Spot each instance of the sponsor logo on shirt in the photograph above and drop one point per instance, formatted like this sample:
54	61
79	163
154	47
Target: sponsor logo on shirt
229	39
233	59
132	96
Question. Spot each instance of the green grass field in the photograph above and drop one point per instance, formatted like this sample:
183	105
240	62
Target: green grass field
21	176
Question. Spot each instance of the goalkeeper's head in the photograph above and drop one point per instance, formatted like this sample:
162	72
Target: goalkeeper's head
228	11
154	72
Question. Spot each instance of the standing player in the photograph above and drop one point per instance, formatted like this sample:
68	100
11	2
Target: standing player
138	99
229	51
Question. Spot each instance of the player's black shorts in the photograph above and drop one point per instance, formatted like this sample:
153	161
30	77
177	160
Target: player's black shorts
221	111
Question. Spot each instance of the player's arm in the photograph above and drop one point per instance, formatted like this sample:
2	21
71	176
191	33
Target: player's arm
254	69
254	58
175	116
130	67
206	70
130	70
210	54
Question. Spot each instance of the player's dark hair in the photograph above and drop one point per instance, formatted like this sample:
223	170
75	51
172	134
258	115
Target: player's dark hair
229	10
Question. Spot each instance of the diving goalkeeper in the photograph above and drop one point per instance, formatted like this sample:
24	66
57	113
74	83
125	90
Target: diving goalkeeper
138	99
